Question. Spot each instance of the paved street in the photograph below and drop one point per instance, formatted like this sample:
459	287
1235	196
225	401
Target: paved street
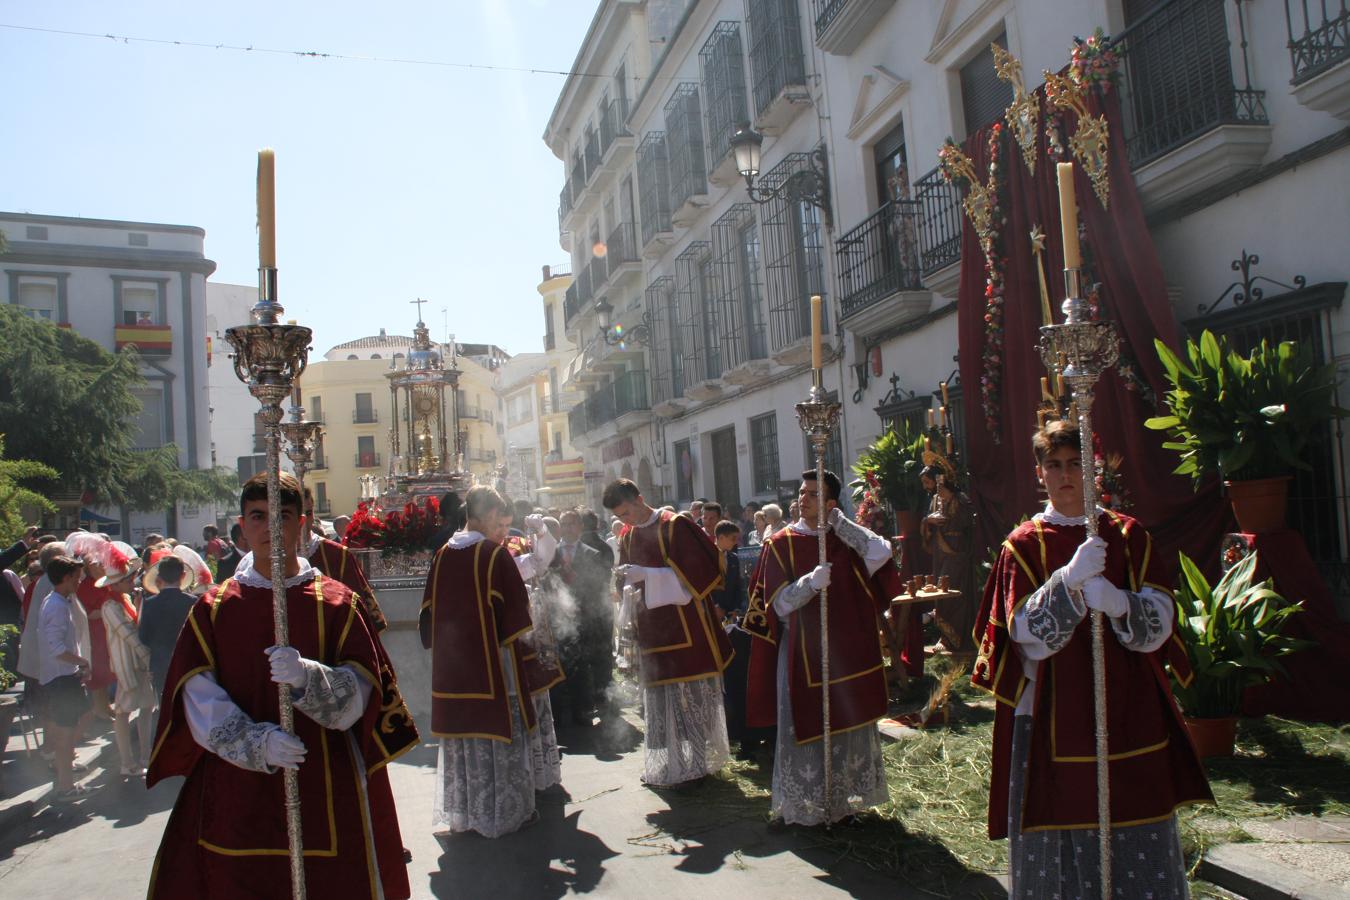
604	835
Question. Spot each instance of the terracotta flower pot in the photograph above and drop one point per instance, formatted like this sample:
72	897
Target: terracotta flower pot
1259	505
1212	737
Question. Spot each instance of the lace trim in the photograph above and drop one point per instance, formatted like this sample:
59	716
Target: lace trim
241	741
1051	614
246	575
329	695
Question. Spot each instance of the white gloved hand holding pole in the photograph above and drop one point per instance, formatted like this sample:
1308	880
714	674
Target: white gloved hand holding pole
1103	596
282	750
288	666
1088	560
820	577
534	523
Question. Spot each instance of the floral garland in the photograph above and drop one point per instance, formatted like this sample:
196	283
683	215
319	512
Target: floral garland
988	220
1095	60
870	501
400	531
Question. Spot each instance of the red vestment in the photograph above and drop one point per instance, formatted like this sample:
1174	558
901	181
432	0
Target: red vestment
858	694
474	604
226	836
92	599
1154	769
678	642
336	561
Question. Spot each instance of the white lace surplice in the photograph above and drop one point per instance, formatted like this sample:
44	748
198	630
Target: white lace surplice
545	756
686	731
857	775
487	786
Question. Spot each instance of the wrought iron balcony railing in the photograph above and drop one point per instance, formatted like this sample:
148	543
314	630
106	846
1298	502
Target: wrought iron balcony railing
571	305
368	460
939	222
1179	79
365	416
776	58
879	257
576	420
622	246
826	11
598	272
630	393
592	155
1318	39
613	124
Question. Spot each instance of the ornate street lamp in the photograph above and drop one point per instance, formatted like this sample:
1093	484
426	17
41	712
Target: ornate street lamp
616	335
805	186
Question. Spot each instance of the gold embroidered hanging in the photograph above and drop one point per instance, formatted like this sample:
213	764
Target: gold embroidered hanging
1023	114
1089	140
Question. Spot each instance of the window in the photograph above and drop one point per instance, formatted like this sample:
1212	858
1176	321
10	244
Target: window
365	410
721	65
316	409
764	447
321	504
776	58
150	420
320	461
684	140
984	96
667	345
684	471
653	162
365	452
138	239
794	257
248	466
691	289
140	303
36	232
549	340
39	298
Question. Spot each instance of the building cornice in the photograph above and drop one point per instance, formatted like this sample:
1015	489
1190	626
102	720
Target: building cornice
41	253
36	219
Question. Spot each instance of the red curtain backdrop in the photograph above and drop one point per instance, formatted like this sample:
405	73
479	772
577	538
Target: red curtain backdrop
1133	295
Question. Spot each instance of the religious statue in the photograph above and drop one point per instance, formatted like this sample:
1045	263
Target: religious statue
948	532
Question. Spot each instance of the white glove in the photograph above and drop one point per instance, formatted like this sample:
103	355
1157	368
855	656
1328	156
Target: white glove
1088	560
282	750
634	574
820	577
534	522
1102	595
288	667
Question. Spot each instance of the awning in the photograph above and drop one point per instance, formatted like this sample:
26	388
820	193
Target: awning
88	515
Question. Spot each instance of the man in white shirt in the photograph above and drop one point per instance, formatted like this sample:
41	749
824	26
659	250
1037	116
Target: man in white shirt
65	667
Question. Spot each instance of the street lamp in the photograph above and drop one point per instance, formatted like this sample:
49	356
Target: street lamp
804	186
616	335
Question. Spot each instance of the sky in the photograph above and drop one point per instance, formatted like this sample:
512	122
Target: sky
394	181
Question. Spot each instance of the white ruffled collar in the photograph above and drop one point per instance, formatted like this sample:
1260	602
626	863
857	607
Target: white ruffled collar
801	527
1055	517
248	576
461	539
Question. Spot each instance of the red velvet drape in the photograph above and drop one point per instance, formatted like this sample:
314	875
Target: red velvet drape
1133	295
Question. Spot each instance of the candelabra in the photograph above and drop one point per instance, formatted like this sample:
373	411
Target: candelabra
269	357
1081	348
302	439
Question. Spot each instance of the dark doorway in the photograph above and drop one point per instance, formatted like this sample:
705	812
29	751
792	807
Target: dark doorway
726	479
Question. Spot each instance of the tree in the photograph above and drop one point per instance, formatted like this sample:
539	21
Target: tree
69	404
16	497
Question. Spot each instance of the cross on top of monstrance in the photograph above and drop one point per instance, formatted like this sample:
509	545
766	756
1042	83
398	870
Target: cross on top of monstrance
418	302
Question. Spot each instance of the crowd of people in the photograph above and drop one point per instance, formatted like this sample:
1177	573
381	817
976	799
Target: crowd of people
529	613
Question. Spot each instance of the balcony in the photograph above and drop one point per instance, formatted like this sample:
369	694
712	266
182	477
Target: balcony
841	25
880	285
684	142
571	305
365	416
777	64
618	406
554	405
577	425
622	260
592	155
615	138
632	405
564	205
940	219
471	411
1319	49
598	271
1187	125
150	340
721	65
653	165
368	460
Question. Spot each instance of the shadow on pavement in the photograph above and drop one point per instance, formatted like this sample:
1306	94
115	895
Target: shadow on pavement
607	741
549	859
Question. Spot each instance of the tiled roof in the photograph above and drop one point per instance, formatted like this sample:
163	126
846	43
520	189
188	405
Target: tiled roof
376	340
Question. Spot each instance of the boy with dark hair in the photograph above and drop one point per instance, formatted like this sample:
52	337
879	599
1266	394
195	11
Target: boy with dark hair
711	515
675	567
65	669
785	614
1036	657
227	836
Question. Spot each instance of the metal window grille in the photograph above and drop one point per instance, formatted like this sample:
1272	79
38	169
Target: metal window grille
794	243
1178	76
621	247
984	96
1315	505
776	59
735	241
578	179
1316	42
613	123
825	12
667	344
630	392
684	142
653	164
939	221
701	356
879	257
721	64
709	293
592	153
764	450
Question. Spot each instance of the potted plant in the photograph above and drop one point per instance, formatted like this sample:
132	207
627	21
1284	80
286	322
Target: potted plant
1247	419
1233	637
891	466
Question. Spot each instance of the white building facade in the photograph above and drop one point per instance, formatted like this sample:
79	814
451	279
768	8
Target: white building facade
119	283
1234	118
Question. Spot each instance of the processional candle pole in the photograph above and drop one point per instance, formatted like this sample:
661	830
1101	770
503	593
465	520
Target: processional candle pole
302	437
818	417
268	357
1081	348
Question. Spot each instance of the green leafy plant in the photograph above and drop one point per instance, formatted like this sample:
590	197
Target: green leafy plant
1233	636
8	636
1243	417
17	499
892	465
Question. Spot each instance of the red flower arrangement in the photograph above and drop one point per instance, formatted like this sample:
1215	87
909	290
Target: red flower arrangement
402	531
